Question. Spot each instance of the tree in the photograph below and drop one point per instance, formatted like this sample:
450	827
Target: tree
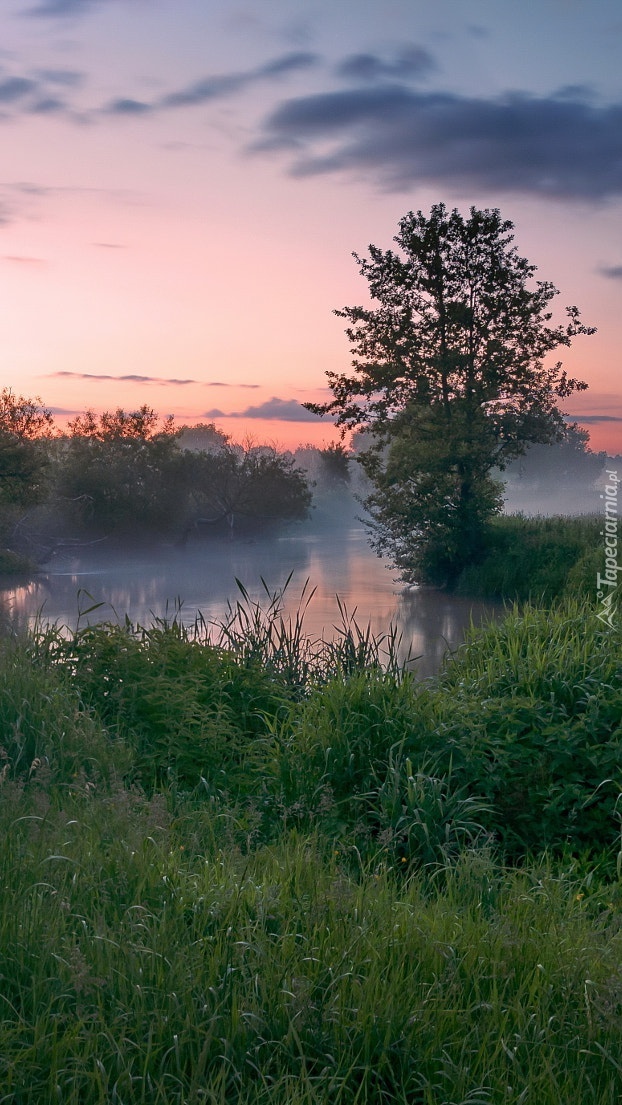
450	380
24	425
236	488
123	473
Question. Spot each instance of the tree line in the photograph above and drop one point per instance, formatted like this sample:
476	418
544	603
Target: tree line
130	475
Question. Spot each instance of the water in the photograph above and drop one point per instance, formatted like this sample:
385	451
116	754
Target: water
336	560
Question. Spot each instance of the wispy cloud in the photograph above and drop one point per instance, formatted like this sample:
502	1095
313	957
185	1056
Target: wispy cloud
131	378
282	410
593	419
62	8
213	87
410	61
15	88
612	272
24	198
222	384
17	259
550	146
134	378
127	106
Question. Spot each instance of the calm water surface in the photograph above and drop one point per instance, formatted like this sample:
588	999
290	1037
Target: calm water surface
335	561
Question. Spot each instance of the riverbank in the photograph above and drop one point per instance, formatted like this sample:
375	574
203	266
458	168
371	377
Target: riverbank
252	871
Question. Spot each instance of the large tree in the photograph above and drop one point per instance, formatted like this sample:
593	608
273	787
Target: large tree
450	380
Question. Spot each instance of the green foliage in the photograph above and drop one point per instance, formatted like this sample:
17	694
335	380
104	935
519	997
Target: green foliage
449	378
136	969
532	722
45	732
189	712
419	818
233	488
24	423
539	558
328	917
121	474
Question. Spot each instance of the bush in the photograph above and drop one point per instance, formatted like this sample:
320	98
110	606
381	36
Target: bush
186	708
536	558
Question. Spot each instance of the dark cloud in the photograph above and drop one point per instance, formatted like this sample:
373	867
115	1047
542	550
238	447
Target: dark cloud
200	92
288	63
593	419
612	272
127	106
282	410
38	94
411	61
217	87
131	378
61	8
68	78
222	384
545	146
48	105
15	88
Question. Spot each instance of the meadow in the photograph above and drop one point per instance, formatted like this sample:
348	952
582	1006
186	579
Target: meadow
255	868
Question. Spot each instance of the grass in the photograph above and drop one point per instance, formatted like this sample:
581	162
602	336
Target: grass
253	869
140	968
538	559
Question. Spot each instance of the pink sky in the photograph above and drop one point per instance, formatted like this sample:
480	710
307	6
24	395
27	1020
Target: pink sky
183	186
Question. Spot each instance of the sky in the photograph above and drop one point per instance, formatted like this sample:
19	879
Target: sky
183	184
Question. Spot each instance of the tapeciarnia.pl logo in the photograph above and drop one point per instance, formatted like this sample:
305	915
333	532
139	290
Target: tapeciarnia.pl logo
606	585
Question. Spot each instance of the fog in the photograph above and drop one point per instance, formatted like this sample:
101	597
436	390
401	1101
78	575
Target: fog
330	551
328	554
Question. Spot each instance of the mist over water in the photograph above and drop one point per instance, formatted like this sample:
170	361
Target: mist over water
332	553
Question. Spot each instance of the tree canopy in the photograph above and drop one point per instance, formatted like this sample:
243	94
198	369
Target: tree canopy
451	378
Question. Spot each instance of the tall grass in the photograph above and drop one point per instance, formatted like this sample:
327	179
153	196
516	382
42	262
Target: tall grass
537	559
228	876
136	970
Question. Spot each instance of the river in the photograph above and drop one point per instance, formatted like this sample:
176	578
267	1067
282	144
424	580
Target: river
335	559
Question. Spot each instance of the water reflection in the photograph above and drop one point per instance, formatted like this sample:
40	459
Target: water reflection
202	577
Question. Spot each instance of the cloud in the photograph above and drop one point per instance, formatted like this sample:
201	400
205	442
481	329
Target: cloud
15	88
23	198
282	410
16	259
48	105
410	62
222	384
593	419
127	106
131	378
544	146
612	272
68	78
213	88
61	8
